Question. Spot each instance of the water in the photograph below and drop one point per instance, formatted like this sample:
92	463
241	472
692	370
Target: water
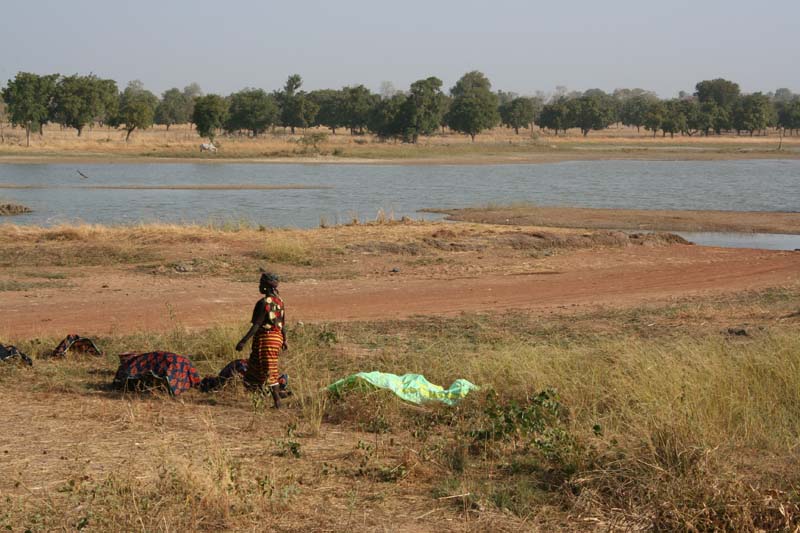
766	241
364	190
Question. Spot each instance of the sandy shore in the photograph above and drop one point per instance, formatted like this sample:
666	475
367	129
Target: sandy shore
478	158
632	219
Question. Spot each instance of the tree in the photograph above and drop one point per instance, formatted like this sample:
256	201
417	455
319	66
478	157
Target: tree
209	114
358	102
474	106
173	108
330	108
190	93
251	109
422	109
592	111
554	115
632	109
752	112
108	106
3	118
654	117
674	119
723	93
789	115
296	109
517	113
137	108
28	98
80	100
387	118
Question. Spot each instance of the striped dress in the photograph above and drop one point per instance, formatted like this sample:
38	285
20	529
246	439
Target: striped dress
262	367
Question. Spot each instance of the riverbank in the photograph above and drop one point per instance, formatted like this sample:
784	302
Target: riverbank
498	146
629	219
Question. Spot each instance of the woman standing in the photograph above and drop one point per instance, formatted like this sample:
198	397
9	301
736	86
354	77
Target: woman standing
269	338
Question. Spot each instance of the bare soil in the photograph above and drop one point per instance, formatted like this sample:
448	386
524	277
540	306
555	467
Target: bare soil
378	272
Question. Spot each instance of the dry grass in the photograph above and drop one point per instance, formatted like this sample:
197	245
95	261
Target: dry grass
499	143
662	421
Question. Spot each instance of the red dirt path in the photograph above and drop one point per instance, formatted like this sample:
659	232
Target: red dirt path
108	300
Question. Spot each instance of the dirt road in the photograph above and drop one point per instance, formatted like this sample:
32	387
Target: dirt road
106	300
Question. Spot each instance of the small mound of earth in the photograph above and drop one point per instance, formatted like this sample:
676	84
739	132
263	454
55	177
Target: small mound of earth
13	209
657	239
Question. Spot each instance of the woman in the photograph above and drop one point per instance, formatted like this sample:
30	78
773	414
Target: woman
268	338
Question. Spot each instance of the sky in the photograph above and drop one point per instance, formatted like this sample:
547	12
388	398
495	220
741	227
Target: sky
522	46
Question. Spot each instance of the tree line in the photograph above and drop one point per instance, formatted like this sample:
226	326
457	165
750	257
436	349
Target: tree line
470	107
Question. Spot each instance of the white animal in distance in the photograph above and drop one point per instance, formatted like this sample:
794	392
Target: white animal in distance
208	147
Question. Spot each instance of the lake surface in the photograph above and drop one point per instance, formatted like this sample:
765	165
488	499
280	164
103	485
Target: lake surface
347	191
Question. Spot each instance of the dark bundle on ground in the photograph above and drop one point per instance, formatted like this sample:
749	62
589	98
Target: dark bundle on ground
78	344
11	353
175	372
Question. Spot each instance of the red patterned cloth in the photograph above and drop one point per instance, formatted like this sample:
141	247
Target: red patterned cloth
262	367
175	371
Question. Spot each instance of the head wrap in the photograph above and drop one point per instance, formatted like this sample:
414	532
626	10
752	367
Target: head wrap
268	278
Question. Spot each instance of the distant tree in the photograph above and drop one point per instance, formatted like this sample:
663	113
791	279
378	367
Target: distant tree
789	115
555	115
358	102
752	112
592	111
210	113
388	119
654	117
422	109
783	95
330	105
80	100
296	109
517	113
723	93
445	101
674	119
29	98
3	117
252	110
173	108
137	108
690	109
474	106
633	108
108	107
387	90
190	93
505	97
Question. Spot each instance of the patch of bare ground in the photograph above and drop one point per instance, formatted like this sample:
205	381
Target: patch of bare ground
630	219
150	277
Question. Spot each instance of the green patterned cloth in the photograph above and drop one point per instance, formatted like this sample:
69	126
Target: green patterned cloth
410	387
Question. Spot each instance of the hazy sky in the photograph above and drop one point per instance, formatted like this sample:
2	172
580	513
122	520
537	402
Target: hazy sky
522	46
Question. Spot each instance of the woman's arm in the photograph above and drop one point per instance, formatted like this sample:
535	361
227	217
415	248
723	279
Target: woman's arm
259	314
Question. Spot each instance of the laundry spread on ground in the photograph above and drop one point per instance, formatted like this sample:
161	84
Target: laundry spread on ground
76	343
236	369
413	388
174	371
12	353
